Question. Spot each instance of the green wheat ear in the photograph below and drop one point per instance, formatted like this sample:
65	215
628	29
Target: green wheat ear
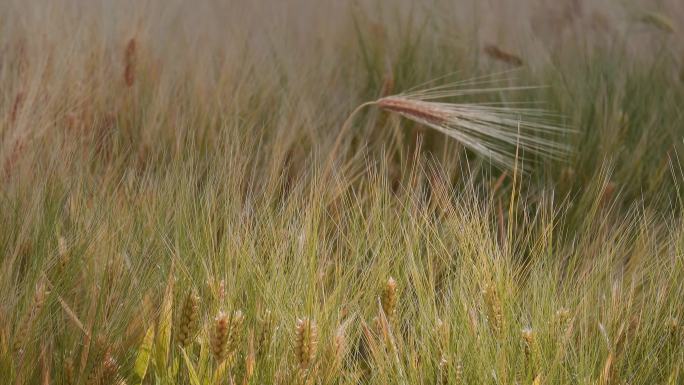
493	308
188	324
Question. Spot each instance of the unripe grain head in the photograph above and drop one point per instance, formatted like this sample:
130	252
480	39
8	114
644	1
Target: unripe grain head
188	323
306	341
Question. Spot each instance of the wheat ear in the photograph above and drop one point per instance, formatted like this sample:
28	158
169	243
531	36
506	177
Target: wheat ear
306	341
493	130
188	323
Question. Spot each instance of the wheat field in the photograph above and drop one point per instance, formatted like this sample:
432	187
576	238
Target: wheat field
341	192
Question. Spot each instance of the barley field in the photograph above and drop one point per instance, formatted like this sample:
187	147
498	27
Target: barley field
341	192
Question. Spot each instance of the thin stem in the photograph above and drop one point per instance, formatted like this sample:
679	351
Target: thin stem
338	141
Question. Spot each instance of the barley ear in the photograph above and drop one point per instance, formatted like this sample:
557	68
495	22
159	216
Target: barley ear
458	373
494	309
443	370
537	380
224	335
266	327
105	372
188	323
250	359
389	299
607	374
340	344
306	341
26	324
528	343
63	252
130	62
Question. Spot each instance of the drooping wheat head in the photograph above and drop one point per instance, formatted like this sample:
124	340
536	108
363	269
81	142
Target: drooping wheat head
497	131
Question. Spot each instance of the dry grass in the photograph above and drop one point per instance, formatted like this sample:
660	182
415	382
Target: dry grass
165	164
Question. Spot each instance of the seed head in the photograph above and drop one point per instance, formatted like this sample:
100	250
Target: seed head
63	251
528	340
443	369
537	380
499	54
250	358
224	334
188	323
389	298
69	371
266	327
340	343
130	62
105	372
26	324
606	377
672	325
495	131
494	310
458	373
306	341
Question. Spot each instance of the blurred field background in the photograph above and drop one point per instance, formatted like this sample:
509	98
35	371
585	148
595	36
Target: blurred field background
167	214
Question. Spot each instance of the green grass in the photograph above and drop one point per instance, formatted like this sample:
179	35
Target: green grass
208	173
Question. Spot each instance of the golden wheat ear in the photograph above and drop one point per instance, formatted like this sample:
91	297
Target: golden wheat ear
497	131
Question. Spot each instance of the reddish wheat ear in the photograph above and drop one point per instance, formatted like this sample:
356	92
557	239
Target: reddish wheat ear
497	131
